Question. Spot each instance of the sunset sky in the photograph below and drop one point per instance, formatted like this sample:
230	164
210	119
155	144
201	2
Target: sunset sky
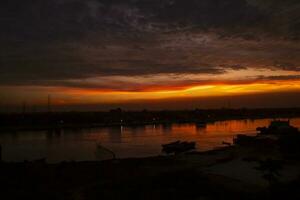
160	54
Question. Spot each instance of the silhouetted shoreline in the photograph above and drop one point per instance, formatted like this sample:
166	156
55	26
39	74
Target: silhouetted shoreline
117	117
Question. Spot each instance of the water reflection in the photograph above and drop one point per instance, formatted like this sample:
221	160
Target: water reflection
167	128
135	141
115	134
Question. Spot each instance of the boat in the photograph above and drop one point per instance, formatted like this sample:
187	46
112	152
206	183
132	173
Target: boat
226	143
178	147
242	139
278	127
254	141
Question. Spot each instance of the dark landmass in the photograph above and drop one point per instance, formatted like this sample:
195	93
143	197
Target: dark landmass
265	166
151	178
231	173
117	117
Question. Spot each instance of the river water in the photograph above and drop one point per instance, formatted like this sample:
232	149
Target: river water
140	141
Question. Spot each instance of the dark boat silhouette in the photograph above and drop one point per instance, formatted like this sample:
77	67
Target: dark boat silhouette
269	136
178	147
278	127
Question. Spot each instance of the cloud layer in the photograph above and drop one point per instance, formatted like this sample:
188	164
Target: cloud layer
69	42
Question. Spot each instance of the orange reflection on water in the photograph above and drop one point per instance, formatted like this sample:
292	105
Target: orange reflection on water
137	141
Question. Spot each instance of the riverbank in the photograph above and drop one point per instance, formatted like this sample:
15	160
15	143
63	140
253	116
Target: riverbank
232	172
56	121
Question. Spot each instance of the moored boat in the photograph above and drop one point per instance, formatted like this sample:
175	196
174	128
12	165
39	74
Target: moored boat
278	127
178	147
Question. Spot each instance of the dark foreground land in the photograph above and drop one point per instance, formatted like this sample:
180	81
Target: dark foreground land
117	117
231	173
257	167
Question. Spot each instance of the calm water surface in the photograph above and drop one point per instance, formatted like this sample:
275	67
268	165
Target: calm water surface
124	141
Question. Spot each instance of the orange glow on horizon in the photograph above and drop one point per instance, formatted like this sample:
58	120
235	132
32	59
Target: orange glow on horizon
184	91
261	86
70	96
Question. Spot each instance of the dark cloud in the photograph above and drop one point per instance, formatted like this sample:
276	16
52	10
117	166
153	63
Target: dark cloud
37	65
279	78
287	66
55	19
56	40
234	66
